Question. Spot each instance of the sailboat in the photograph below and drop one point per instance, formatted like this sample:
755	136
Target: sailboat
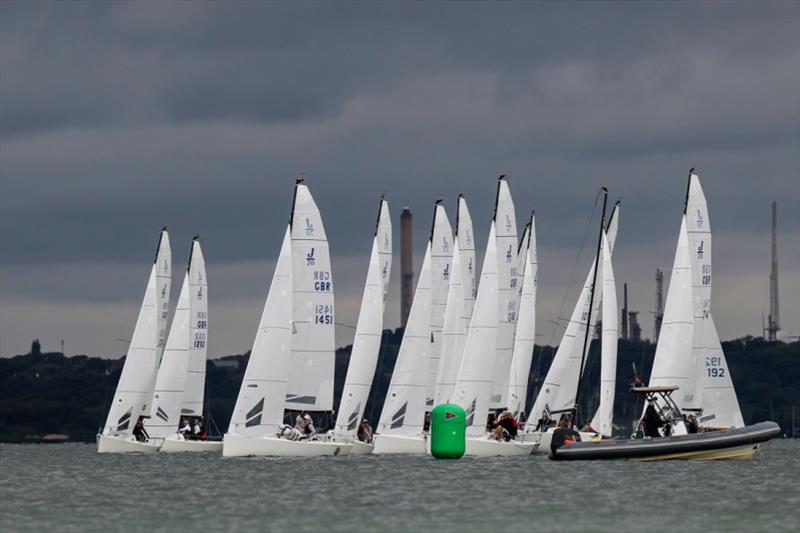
526	324
367	342
473	390
460	302
400	428
180	383
689	370
557	396
293	348
505	226
135	387
441	270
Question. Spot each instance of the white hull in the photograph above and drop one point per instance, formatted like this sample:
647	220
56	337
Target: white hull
361	448
240	446
485	447
177	445
110	444
544	440
400	444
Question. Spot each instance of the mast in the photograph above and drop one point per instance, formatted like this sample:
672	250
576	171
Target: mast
591	305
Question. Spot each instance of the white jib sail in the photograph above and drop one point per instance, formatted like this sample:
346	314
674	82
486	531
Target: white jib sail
474	383
505	222
466	244
367	342
673	364
453	334
526	324
169	390
198	334
135	386
441	257
604	417
260	405
313	343
404	408
557	394
713	395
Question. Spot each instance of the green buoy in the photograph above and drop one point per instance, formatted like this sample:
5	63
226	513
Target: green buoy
448	431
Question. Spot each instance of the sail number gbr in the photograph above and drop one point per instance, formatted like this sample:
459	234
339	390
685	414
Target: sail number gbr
322	281
714	368
323	314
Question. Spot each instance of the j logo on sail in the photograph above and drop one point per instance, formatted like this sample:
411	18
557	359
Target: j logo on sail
700	250
700	220
508	223
310	259
508	254
309	228
446	272
200	294
445	244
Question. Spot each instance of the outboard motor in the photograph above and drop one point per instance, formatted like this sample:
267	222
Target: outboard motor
560	437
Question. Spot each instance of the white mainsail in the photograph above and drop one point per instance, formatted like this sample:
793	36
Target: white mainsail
260	404
474	383
367	342
505	226
194	390
404	408
713	394
526	324
313	343
135	386
560	386
673	364
187	339
466	245
604	417
441	256
454	332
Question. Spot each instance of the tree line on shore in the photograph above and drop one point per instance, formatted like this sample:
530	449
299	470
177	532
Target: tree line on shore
47	396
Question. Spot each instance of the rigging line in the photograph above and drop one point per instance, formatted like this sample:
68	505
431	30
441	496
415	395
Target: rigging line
344	325
575	265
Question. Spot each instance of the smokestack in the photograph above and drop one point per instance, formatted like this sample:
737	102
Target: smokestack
406	265
773	324
659	314
625	312
635	328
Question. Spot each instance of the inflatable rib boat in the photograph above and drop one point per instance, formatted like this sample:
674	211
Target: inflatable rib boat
739	443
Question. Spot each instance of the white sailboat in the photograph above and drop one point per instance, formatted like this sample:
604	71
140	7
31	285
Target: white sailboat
505	223
135	386
367	342
474	384
289	337
559	390
181	377
526	324
690	355
460	302
400	429
441	268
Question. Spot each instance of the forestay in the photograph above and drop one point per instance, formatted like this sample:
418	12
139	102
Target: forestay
441	240
604	417
404	408
474	383
313	344
505	223
135	386
260	405
526	324
367	342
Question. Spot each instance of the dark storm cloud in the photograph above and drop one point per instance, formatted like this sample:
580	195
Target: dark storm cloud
118	118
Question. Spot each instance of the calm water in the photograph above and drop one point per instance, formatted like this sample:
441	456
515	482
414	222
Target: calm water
72	488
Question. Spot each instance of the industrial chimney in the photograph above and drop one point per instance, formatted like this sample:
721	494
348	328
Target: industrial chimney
406	265
773	326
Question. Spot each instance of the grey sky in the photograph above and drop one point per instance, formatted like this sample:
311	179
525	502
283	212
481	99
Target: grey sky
118	118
